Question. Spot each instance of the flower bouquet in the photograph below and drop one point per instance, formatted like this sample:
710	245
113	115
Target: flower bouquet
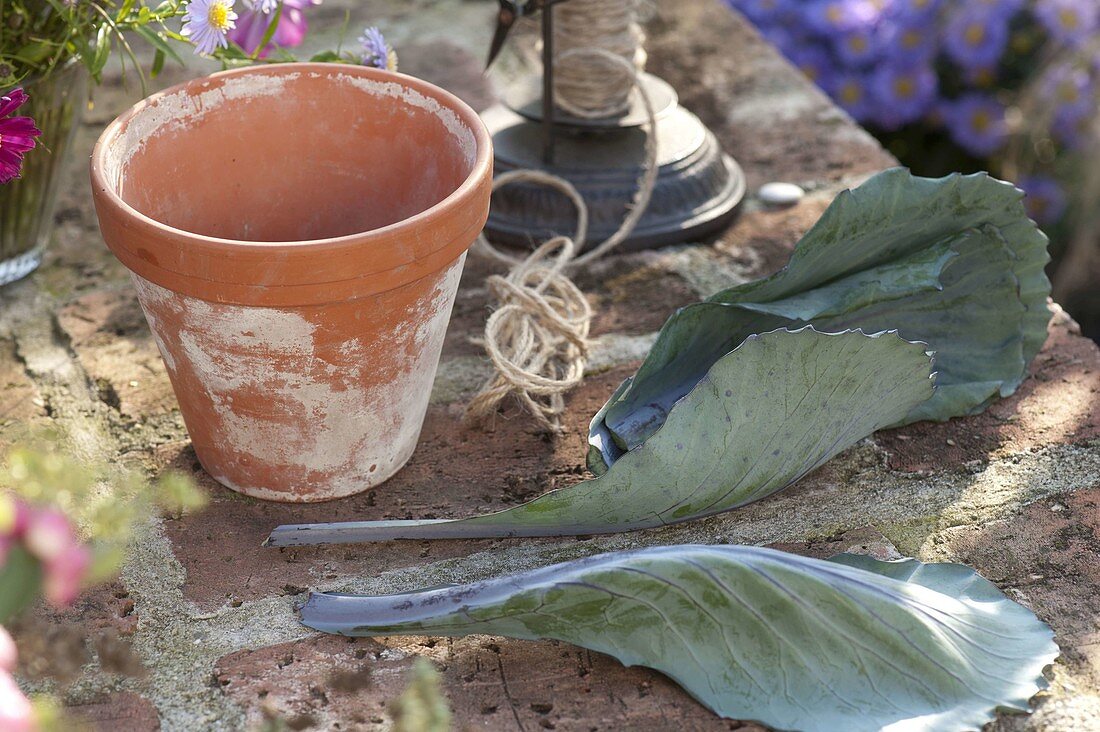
49	48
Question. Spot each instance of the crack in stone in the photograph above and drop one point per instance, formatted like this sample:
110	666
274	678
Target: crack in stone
49	361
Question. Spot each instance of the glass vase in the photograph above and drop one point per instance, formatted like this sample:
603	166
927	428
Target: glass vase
27	203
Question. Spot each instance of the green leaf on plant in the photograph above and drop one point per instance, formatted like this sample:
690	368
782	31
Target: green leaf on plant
766	414
326	57
158	64
953	262
20	582
422	707
269	33
159	41
796	643
102	52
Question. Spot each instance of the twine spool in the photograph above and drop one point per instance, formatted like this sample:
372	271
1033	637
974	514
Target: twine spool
594	86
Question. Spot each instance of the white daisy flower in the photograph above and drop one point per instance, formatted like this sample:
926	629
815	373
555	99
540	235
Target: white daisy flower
206	23
266	7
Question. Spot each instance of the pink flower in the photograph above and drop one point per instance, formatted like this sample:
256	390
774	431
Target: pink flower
50	537
49	534
8	653
291	31
16	135
16	714
65	575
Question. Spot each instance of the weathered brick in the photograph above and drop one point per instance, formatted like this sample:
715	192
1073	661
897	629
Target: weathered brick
492	684
119	711
457	470
1059	403
1045	556
21	405
779	128
107	330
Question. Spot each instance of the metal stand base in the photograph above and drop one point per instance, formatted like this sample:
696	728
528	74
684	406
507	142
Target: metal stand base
698	188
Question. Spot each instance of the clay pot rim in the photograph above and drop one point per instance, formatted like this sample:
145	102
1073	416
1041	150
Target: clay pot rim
460	197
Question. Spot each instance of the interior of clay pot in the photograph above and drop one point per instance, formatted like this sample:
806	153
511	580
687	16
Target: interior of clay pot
290	157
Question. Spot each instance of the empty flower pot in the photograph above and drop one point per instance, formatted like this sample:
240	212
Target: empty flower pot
296	234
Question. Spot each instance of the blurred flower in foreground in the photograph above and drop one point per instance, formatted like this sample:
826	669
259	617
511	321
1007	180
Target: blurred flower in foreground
8	654
67	524
376	52
207	22
977	124
16	712
50	538
17	135
1046	201
289	33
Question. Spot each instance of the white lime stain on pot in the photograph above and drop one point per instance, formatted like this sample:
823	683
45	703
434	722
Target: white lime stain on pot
454	124
355	433
169	111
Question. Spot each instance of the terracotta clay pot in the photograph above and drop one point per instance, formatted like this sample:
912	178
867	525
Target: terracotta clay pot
296	235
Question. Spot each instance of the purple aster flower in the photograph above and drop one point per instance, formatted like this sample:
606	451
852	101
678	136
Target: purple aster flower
975	37
812	60
1004	8
902	94
1069	86
1069	21
977	123
760	12
861	46
842	16
782	38
290	32
207	23
911	41
852	91
376	52
1045	201
913	9
1070	125
17	135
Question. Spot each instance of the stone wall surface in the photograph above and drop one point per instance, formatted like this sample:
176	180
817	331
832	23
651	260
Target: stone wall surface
208	613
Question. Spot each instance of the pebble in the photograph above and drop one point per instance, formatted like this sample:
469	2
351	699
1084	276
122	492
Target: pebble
780	194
